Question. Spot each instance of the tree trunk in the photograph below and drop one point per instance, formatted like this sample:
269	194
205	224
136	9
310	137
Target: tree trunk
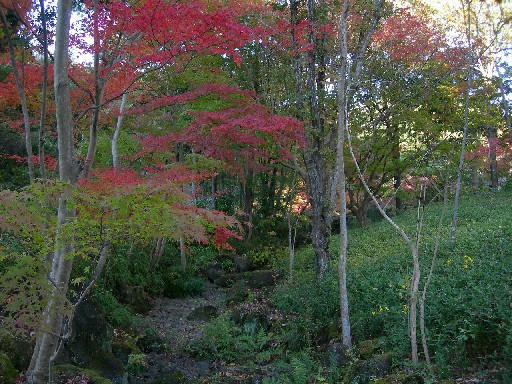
342	124
316	165
49	334
115	137
408	241
413	306
423	299
99	87
183	255
23	99
397	184
320	215
506	109
248	202
44	91
415	279
466	124
492	140
214	192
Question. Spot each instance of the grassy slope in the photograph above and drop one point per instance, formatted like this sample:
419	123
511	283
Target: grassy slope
469	301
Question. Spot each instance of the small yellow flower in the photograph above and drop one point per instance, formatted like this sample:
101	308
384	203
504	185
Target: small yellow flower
374	313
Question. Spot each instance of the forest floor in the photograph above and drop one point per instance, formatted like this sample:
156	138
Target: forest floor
170	318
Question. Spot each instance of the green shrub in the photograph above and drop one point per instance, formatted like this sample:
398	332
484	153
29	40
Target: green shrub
136	363
312	305
117	314
181	284
226	341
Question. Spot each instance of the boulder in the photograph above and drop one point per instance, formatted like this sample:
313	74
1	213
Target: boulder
252	316
91	327
176	377
368	348
214	272
242	263
151	342
122	349
363	371
380	365
68	373
237	293
264	278
337	355
229	279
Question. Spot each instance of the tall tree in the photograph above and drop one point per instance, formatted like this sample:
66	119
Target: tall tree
16	10
349	77
49	337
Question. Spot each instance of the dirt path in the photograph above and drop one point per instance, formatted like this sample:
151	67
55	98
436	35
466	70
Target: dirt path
169	318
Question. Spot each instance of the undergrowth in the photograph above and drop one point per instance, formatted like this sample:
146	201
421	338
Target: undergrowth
468	311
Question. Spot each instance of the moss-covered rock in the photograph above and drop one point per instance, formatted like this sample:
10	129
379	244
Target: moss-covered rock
363	371
17	348
264	278
176	377
8	373
368	348
65	373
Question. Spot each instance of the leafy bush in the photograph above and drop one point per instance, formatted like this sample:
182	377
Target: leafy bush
311	305
117	314
226	341
181	284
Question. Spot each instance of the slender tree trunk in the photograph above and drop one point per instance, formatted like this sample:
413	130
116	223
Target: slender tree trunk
492	140
401	232
213	181
44	91
99	87
50	333
346	79
158	252
292	228
183	255
340	167
23	99
506	108
431	273
466	122
248	202
413	304
415	280
115	137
